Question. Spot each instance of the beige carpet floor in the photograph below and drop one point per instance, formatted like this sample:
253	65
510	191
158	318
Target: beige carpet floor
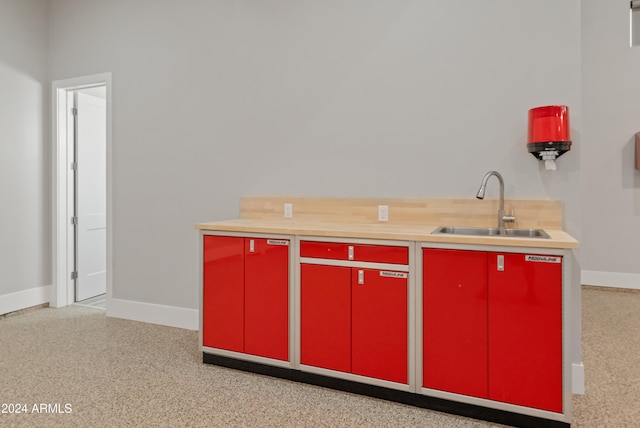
78	368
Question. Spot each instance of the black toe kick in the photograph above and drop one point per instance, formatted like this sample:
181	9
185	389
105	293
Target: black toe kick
417	400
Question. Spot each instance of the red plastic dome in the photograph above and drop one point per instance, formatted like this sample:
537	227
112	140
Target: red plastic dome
549	124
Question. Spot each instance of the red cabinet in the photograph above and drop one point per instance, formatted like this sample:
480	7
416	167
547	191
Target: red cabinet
223	293
455	321
379	338
266	294
325	324
353	319
246	295
497	319
525	330
359	252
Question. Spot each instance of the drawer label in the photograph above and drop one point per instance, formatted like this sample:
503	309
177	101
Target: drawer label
543	259
277	242
389	274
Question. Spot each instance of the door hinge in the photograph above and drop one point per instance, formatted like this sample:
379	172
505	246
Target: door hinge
74	221
74	166
74	274
74	111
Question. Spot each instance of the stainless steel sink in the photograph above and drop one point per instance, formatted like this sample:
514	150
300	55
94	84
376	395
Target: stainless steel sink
491	231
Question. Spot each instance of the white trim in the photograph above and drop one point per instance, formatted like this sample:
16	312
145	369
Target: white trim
418	317
611	279
24	299
62	292
294	301
577	377
355	264
170	316
494	248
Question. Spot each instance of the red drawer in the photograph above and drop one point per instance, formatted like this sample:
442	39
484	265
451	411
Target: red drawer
360	252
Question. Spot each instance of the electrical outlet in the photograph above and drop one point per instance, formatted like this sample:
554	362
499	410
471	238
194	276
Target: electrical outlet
288	210
383	213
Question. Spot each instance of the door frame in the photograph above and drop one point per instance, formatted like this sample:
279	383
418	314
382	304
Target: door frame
62	264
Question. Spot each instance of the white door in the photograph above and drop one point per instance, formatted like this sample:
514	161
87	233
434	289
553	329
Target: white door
91	194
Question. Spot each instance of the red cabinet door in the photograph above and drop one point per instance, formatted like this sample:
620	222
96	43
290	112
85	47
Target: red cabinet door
358	252
266	298
525	330
325	316
455	321
381	254
379	338
324	250
223	293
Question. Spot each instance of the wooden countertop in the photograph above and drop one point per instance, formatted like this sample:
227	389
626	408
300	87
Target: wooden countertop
401	232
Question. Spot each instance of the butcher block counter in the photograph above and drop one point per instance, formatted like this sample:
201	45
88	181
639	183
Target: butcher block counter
401	232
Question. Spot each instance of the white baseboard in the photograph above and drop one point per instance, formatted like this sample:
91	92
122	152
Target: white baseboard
170	316
611	279
577	378
24	299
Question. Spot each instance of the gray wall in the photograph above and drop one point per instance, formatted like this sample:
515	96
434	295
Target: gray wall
611	94
215	100
25	225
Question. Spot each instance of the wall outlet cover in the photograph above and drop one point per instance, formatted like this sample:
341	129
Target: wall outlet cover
383	213
288	210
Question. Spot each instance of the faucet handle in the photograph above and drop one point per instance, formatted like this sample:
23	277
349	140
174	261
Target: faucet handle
509	218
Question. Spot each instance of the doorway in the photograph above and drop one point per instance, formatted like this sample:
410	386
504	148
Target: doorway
82	202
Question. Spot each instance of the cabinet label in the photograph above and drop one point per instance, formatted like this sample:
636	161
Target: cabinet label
543	259
393	274
277	242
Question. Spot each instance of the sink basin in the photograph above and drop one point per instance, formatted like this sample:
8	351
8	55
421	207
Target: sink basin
491	231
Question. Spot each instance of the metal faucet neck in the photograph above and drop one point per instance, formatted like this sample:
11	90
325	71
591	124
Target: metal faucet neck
480	195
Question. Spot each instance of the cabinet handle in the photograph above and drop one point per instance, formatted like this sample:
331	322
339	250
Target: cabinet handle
360	277
351	252
500	263
252	246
